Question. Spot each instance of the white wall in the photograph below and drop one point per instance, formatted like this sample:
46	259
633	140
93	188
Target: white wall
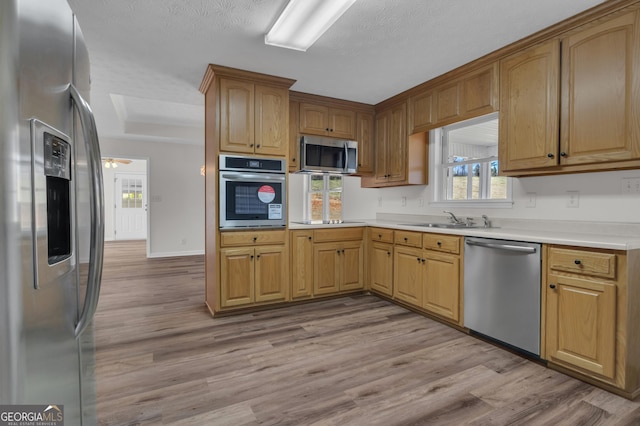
136	166
176	193
600	199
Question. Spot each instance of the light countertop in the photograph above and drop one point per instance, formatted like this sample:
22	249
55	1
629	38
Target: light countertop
585	234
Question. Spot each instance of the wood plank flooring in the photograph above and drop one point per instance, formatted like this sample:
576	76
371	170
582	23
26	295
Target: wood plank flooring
162	359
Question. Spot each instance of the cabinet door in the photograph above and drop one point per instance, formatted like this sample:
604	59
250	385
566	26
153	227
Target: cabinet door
397	144
326	268
294	131
342	123
581	324
600	89
421	114
236	276
480	92
314	119
407	275
236	116
382	268
382	141
441	291
271	274
529	91
352	266
271	115
301	264
366	143
448	102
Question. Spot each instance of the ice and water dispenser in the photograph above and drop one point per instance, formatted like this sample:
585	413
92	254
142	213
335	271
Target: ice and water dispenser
52	203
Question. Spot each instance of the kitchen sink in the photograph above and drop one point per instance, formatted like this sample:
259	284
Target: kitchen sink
444	225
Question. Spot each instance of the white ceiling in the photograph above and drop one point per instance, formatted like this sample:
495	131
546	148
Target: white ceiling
148	57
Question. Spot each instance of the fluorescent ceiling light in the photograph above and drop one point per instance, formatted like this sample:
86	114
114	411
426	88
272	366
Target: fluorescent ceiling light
302	22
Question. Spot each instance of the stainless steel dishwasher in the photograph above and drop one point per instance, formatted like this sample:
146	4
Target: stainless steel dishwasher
502	291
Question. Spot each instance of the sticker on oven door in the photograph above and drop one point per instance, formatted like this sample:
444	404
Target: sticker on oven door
266	193
275	211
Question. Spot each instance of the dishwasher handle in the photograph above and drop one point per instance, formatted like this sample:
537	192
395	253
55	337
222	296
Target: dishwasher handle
508	247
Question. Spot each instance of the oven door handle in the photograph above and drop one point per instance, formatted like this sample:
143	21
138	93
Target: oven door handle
252	177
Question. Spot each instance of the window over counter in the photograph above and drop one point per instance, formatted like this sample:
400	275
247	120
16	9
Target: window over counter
323	198
467	164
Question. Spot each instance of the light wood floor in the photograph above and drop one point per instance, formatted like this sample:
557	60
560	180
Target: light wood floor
162	359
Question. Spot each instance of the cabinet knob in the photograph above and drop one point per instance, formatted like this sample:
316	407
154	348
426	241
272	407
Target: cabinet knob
251	257
405	239
338	251
326	129
250	145
563	154
258	146
255	239
439	243
577	261
342	251
309	238
388	253
293	159
418	259
379	235
359	164
423	260
331	130
552	286
550	155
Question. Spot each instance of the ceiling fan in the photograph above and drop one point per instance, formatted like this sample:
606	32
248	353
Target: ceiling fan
113	162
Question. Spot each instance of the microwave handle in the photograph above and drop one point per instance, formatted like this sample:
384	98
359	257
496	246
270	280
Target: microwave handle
346	158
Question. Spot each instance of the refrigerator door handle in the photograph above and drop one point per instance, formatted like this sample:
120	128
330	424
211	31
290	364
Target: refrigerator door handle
96	253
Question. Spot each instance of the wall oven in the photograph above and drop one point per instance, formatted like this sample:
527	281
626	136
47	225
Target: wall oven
252	192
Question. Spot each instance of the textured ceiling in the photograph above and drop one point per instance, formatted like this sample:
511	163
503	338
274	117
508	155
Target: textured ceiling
145	51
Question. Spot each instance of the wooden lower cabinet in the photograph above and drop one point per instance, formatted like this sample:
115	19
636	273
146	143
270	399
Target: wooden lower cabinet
236	276
337	267
381	268
581	323
301	264
254	268
407	277
441	290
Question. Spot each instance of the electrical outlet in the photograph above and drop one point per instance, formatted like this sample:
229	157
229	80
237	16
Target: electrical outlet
421	202
573	198
379	200
531	200
403	201
631	185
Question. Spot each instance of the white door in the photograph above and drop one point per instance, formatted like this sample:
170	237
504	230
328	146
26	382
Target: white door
131	206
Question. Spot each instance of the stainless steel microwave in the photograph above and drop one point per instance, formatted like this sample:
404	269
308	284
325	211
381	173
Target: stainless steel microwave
319	154
252	192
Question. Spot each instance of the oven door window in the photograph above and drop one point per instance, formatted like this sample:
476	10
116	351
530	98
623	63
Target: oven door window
253	200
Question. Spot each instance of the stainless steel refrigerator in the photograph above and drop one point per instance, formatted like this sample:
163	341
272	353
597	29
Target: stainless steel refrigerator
51	213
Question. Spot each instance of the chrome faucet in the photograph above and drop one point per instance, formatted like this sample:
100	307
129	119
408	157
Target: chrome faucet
453	218
487	222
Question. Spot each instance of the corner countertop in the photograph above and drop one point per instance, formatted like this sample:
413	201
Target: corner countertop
611	236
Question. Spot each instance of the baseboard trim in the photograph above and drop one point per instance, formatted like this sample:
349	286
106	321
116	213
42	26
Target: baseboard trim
176	254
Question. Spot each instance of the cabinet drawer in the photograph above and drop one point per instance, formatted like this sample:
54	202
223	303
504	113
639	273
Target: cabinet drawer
446	243
583	262
249	238
381	234
337	234
408	238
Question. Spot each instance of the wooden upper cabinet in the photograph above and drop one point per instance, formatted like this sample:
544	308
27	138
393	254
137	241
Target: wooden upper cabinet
236	116
397	145
325	121
601	92
271	125
245	112
480	92
529	89
365	123
473	94
421	114
448	99
294	143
